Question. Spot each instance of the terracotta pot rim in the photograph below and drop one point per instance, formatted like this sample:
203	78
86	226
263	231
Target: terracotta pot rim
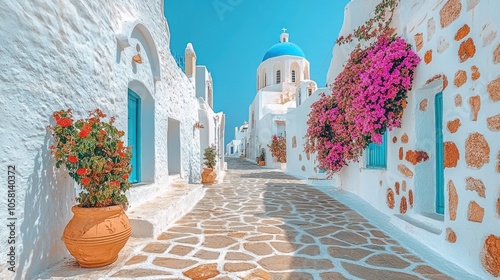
112	208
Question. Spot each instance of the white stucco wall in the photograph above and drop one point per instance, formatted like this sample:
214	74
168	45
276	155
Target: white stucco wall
59	55
235	146
284	63
273	101
438	72
299	163
212	132
302	91
204	84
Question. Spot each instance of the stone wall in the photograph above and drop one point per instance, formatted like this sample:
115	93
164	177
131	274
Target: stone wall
457	41
78	54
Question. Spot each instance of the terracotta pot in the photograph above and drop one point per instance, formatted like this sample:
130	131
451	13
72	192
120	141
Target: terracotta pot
262	163
208	176
95	236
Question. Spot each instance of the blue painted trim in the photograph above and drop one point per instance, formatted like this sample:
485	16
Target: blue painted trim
135	131
377	154
438	105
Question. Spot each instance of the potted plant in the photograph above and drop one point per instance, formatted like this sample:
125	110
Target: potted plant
209	175
262	158
91	151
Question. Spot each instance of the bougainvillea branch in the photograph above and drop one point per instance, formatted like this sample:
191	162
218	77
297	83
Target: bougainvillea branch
368	97
376	26
278	148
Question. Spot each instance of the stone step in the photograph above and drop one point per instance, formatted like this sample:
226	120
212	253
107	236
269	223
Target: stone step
152	217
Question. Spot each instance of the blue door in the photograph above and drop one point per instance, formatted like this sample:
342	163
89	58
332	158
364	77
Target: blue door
232	150
134	107
439	154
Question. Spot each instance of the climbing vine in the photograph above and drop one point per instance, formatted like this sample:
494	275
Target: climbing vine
368	96
376	26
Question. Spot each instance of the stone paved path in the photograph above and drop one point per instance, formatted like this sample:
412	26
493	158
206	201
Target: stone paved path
263	224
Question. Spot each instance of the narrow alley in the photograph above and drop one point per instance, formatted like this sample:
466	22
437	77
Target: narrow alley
263	224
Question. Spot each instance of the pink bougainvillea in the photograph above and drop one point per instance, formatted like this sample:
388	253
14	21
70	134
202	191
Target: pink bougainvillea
278	148
367	98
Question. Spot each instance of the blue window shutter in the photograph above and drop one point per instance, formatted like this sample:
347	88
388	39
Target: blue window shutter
377	154
439	153
134	133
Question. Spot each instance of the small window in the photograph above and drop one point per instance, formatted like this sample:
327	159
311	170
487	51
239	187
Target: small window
309	91
278	77
293	76
265	79
377	154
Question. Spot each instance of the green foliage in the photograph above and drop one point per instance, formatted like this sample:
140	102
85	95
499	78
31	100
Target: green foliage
209	156
262	156
95	157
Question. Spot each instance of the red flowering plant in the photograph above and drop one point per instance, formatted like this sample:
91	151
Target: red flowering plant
368	96
95	157
278	148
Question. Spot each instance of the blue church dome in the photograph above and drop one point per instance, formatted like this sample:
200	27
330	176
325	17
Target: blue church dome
283	48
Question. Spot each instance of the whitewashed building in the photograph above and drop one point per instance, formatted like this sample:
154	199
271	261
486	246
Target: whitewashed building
112	55
237	146
285	93
211	124
438	175
299	163
283	72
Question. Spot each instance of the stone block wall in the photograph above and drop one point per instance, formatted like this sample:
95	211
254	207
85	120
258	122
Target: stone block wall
58	55
460	50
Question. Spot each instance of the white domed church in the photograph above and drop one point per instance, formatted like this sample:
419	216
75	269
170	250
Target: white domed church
283	83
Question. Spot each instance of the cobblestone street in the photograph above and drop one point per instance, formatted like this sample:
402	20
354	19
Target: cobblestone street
263	224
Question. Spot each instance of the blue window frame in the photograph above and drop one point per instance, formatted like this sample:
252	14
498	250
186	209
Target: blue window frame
439	153
377	154
134	134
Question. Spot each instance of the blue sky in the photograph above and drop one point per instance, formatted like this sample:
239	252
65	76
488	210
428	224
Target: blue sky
230	37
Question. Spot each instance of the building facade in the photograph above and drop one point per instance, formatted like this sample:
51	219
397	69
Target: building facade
237	146
85	55
281	73
211	124
438	175
281	106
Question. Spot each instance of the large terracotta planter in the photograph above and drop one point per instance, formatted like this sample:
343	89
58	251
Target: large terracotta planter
208	176
95	236
262	163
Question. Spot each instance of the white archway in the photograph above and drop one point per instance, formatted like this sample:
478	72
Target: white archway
142	34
